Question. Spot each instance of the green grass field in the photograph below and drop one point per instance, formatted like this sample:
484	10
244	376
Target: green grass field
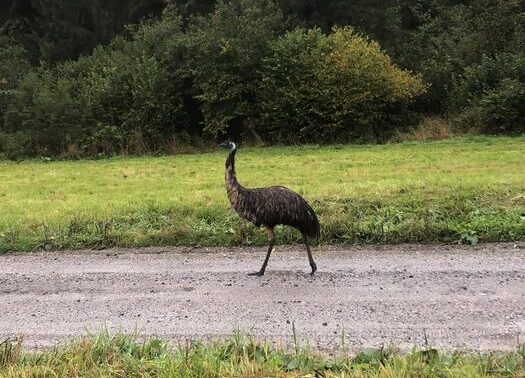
461	190
105	355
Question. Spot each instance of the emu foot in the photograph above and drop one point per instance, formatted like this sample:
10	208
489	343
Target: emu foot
258	274
314	269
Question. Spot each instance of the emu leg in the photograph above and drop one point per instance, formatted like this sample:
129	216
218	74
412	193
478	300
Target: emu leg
271	240
310	258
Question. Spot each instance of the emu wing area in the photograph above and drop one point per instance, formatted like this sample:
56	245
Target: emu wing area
278	205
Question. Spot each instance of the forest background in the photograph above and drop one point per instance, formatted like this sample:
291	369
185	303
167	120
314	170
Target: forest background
98	78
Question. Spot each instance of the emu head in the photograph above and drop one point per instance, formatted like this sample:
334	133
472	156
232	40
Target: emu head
229	145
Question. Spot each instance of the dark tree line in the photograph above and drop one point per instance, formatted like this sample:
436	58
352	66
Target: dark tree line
89	76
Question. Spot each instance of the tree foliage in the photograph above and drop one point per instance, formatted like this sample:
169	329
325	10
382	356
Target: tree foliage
57	30
331	88
111	101
227	49
452	35
490	95
74	79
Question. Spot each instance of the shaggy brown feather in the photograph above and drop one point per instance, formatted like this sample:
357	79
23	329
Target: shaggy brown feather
270	206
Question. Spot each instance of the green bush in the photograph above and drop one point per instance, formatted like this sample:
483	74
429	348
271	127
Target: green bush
134	89
226	52
331	88
490	95
116	100
451	36
14	65
45	112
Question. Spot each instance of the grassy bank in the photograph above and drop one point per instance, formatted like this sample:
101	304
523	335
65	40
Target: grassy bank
462	190
119	355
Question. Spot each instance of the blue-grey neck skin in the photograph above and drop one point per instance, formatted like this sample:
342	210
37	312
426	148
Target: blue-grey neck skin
230	161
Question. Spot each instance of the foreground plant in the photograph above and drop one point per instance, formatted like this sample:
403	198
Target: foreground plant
121	355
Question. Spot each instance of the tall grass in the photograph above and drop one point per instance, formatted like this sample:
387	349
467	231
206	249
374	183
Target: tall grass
460	190
120	355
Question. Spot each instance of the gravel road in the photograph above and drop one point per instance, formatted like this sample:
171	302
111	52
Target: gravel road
460	297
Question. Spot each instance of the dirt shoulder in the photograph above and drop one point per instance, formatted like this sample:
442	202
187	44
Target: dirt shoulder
460	297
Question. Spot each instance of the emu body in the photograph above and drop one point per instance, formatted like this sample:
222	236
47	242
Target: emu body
269	207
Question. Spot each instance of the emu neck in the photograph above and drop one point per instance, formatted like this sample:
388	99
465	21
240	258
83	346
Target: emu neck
231	180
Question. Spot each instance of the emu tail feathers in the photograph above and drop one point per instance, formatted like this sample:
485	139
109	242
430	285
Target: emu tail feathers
312	229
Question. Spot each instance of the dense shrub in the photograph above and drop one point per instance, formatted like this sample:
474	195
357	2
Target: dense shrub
237	72
490	96
331	88
451	36
180	77
14	64
135	88
227	49
44	113
115	100
142	91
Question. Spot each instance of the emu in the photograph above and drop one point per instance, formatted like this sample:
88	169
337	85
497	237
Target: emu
269	207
